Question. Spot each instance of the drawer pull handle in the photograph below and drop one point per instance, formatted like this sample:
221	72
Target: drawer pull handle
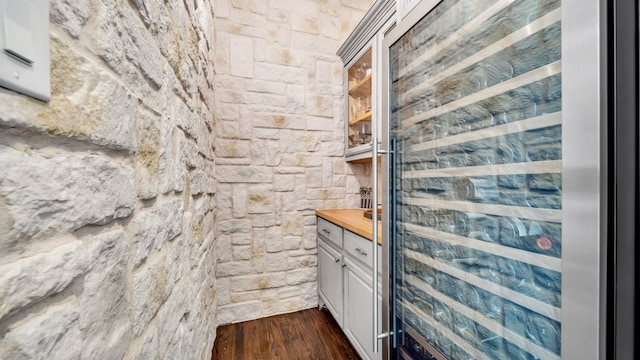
361	252
326	231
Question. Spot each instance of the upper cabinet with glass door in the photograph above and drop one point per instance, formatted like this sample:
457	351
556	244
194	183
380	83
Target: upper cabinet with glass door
361	54
359	82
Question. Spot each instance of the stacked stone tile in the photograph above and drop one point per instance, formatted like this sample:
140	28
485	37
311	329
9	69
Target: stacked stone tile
279	148
107	192
131	222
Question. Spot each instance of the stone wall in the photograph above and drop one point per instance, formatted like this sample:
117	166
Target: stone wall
279	148
107	206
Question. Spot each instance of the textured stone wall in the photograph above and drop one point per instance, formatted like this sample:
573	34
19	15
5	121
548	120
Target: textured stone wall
107	192
279	148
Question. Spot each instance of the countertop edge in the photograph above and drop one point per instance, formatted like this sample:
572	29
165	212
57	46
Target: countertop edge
353	220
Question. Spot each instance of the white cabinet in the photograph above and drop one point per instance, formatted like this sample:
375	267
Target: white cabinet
330	278
345	263
331	232
404	6
358	293
360	124
359	249
362	56
358	308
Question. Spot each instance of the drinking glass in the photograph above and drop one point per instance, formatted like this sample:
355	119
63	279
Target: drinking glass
366	103
359	73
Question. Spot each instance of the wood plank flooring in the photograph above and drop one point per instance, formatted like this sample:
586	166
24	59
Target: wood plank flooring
308	334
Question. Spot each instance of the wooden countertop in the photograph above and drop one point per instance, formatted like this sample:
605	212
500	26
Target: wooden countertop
352	220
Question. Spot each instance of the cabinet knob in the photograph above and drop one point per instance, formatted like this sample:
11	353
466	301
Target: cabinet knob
344	266
337	259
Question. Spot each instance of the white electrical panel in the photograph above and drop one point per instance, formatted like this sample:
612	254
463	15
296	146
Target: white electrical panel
24	47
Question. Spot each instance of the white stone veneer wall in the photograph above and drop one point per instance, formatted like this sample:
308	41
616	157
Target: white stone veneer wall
279	148
107	192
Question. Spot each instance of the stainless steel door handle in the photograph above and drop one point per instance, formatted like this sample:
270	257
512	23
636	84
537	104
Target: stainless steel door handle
374	170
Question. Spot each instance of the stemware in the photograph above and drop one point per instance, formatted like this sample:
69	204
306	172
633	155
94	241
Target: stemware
359	73
366	69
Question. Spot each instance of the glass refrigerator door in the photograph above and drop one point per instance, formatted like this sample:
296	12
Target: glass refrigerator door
476	119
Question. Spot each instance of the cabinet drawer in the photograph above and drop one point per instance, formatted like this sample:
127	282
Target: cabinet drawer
358	247
330	232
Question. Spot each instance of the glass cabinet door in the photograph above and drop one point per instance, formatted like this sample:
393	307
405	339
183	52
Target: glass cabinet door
359	127
475	111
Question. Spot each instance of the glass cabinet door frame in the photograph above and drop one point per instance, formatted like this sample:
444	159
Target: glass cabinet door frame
584	175
359	151
364	151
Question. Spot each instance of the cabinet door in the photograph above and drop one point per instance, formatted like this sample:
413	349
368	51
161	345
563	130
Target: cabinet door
358	312
358	78
330	279
363	98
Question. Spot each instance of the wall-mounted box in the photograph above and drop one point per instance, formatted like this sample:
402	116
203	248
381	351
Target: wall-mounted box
24	47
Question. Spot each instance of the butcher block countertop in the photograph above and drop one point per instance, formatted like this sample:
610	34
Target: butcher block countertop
352	220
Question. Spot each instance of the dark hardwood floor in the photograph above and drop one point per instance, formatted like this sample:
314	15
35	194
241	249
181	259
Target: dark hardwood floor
308	334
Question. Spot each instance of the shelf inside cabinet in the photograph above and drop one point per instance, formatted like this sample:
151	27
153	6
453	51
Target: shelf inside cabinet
362	88
364	117
366	158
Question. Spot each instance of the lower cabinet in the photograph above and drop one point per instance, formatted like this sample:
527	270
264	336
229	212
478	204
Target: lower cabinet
345	287
329	279
358	309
